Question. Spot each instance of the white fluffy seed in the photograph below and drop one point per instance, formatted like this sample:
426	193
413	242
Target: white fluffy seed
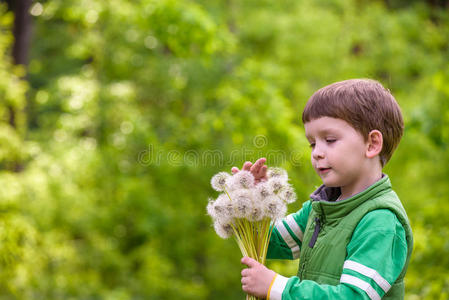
241	180
218	182
223	230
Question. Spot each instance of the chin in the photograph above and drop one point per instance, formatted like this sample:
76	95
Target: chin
330	183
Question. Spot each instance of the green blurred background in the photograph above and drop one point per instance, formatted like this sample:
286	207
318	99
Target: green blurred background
116	114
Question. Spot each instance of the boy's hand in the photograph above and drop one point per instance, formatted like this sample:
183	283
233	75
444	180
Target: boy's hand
257	278
259	169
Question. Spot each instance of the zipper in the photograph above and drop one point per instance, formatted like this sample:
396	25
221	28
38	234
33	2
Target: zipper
316	232
302	268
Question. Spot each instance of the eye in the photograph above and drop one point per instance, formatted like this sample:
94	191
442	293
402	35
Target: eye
312	145
330	141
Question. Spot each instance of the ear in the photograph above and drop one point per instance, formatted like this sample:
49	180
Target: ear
374	143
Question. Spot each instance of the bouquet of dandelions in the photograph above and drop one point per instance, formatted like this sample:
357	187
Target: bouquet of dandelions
246	211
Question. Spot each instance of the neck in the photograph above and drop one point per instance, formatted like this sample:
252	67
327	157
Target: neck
367	181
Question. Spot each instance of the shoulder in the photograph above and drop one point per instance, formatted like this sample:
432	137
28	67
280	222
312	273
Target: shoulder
380	221
302	215
307	206
379	218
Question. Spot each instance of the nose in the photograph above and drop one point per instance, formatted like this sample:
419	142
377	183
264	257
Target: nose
317	152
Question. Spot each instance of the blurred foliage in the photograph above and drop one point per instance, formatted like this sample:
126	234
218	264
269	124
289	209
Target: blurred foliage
129	107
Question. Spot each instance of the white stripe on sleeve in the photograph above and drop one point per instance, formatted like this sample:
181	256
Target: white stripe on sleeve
294	227
372	294
288	239
277	288
368	272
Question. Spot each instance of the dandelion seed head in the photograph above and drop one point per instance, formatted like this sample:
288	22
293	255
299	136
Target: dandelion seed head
276	184
230	210
242	199
287	193
241	180
211	209
275	208
224	230
262	190
255	212
223	208
236	195
218	181
277	173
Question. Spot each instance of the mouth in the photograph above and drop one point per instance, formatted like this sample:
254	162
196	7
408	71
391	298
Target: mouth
323	170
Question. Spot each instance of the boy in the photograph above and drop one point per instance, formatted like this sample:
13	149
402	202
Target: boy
353	236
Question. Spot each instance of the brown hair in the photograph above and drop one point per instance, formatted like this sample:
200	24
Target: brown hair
365	104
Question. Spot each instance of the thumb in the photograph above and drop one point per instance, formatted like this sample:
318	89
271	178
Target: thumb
249	262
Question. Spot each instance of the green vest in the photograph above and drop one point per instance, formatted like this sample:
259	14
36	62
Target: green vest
324	262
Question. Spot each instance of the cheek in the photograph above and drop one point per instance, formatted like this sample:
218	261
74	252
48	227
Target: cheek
339	155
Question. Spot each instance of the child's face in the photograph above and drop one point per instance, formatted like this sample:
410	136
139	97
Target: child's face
338	153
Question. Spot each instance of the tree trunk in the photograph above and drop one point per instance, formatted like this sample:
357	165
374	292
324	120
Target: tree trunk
22	36
21	31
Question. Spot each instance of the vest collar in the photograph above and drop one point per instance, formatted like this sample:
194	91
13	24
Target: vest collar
323	199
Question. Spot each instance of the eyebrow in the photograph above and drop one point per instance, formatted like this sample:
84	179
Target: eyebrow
323	132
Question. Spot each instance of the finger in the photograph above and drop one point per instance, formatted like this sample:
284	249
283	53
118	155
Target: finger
260	166
249	262
260	161
234	170
257	165
247	166
256	171
253	170
245	272
262	172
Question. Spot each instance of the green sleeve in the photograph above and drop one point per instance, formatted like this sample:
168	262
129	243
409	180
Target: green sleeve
293	289
375	257
286	239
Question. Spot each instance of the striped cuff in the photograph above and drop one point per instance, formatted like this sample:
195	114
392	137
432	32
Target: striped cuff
271	285
277	287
